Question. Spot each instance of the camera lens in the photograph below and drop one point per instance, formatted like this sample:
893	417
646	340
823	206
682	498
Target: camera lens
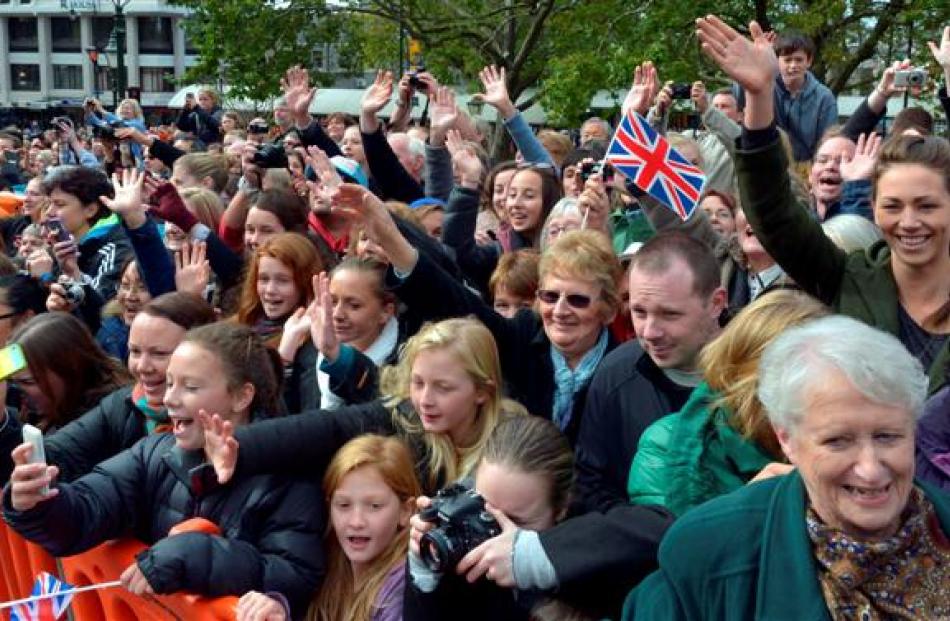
437	551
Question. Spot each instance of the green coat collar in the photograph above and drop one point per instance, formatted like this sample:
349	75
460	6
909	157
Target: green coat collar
788	585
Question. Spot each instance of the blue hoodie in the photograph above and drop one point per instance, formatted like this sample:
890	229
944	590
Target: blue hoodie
806	116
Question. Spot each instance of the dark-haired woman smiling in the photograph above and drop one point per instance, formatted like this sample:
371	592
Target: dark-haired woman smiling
128	413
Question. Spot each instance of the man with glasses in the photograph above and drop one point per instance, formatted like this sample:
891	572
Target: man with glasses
675	303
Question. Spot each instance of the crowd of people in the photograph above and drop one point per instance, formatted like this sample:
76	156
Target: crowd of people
406	381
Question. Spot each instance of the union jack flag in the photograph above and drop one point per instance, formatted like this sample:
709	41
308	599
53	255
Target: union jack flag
648	160
46	609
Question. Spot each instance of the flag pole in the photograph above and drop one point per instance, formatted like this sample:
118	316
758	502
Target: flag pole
72	591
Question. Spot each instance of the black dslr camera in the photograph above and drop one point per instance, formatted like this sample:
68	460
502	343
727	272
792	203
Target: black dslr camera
462	523
270	155
108	131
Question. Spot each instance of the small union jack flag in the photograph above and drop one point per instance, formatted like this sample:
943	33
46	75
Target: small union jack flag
46	609
648	160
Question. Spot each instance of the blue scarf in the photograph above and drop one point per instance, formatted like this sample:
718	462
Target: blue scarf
567	382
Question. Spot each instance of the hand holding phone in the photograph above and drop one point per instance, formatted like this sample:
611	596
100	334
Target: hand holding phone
29	483
34	437
58	229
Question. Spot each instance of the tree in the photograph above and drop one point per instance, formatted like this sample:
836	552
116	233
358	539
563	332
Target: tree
248	44
565	50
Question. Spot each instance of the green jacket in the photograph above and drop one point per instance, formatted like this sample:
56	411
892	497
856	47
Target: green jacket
692	456
743	556
860	284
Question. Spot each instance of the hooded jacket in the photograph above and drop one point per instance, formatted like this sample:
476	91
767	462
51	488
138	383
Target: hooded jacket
805	116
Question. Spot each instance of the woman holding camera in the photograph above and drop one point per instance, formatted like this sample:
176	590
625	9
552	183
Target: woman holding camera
525	478
128	114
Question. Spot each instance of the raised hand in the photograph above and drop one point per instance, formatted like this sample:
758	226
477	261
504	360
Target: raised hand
324	168
297	92
378	94
128	197
886	85
221	449
496	91
192	270
444	114
320	312
365	208
464	159
295	333
861	164
645	87
942	53
752	64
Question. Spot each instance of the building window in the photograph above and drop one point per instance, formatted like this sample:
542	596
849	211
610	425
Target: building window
105	79
23	34
155	35
65	34
67	77
25	77
157	80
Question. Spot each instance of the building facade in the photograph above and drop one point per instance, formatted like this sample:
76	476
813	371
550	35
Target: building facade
55	53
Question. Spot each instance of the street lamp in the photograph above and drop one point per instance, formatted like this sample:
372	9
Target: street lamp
118	26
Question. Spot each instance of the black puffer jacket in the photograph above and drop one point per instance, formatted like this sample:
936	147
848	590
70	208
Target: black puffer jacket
106	430
271	527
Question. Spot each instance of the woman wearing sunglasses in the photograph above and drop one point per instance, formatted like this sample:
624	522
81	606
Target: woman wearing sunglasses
548	356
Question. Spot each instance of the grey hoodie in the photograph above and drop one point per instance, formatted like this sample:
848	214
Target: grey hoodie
806	116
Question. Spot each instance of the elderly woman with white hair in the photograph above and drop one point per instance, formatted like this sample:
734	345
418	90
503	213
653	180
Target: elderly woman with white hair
849	534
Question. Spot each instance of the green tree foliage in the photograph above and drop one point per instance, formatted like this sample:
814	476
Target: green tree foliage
566	49
249	43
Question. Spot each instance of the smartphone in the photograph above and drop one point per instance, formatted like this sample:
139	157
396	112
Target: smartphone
34	437
12	360
12	157
56	227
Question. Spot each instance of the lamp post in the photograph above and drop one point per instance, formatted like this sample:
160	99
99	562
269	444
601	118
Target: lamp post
118	26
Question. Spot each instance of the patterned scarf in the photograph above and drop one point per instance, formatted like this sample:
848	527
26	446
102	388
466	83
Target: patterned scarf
568	382
905	576
156	420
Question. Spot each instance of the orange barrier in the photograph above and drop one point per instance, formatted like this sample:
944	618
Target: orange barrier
107	562
21	561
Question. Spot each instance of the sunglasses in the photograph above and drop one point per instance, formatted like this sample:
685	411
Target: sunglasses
541	167
574	300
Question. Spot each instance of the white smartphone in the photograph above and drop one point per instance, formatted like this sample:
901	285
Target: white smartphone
34	437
